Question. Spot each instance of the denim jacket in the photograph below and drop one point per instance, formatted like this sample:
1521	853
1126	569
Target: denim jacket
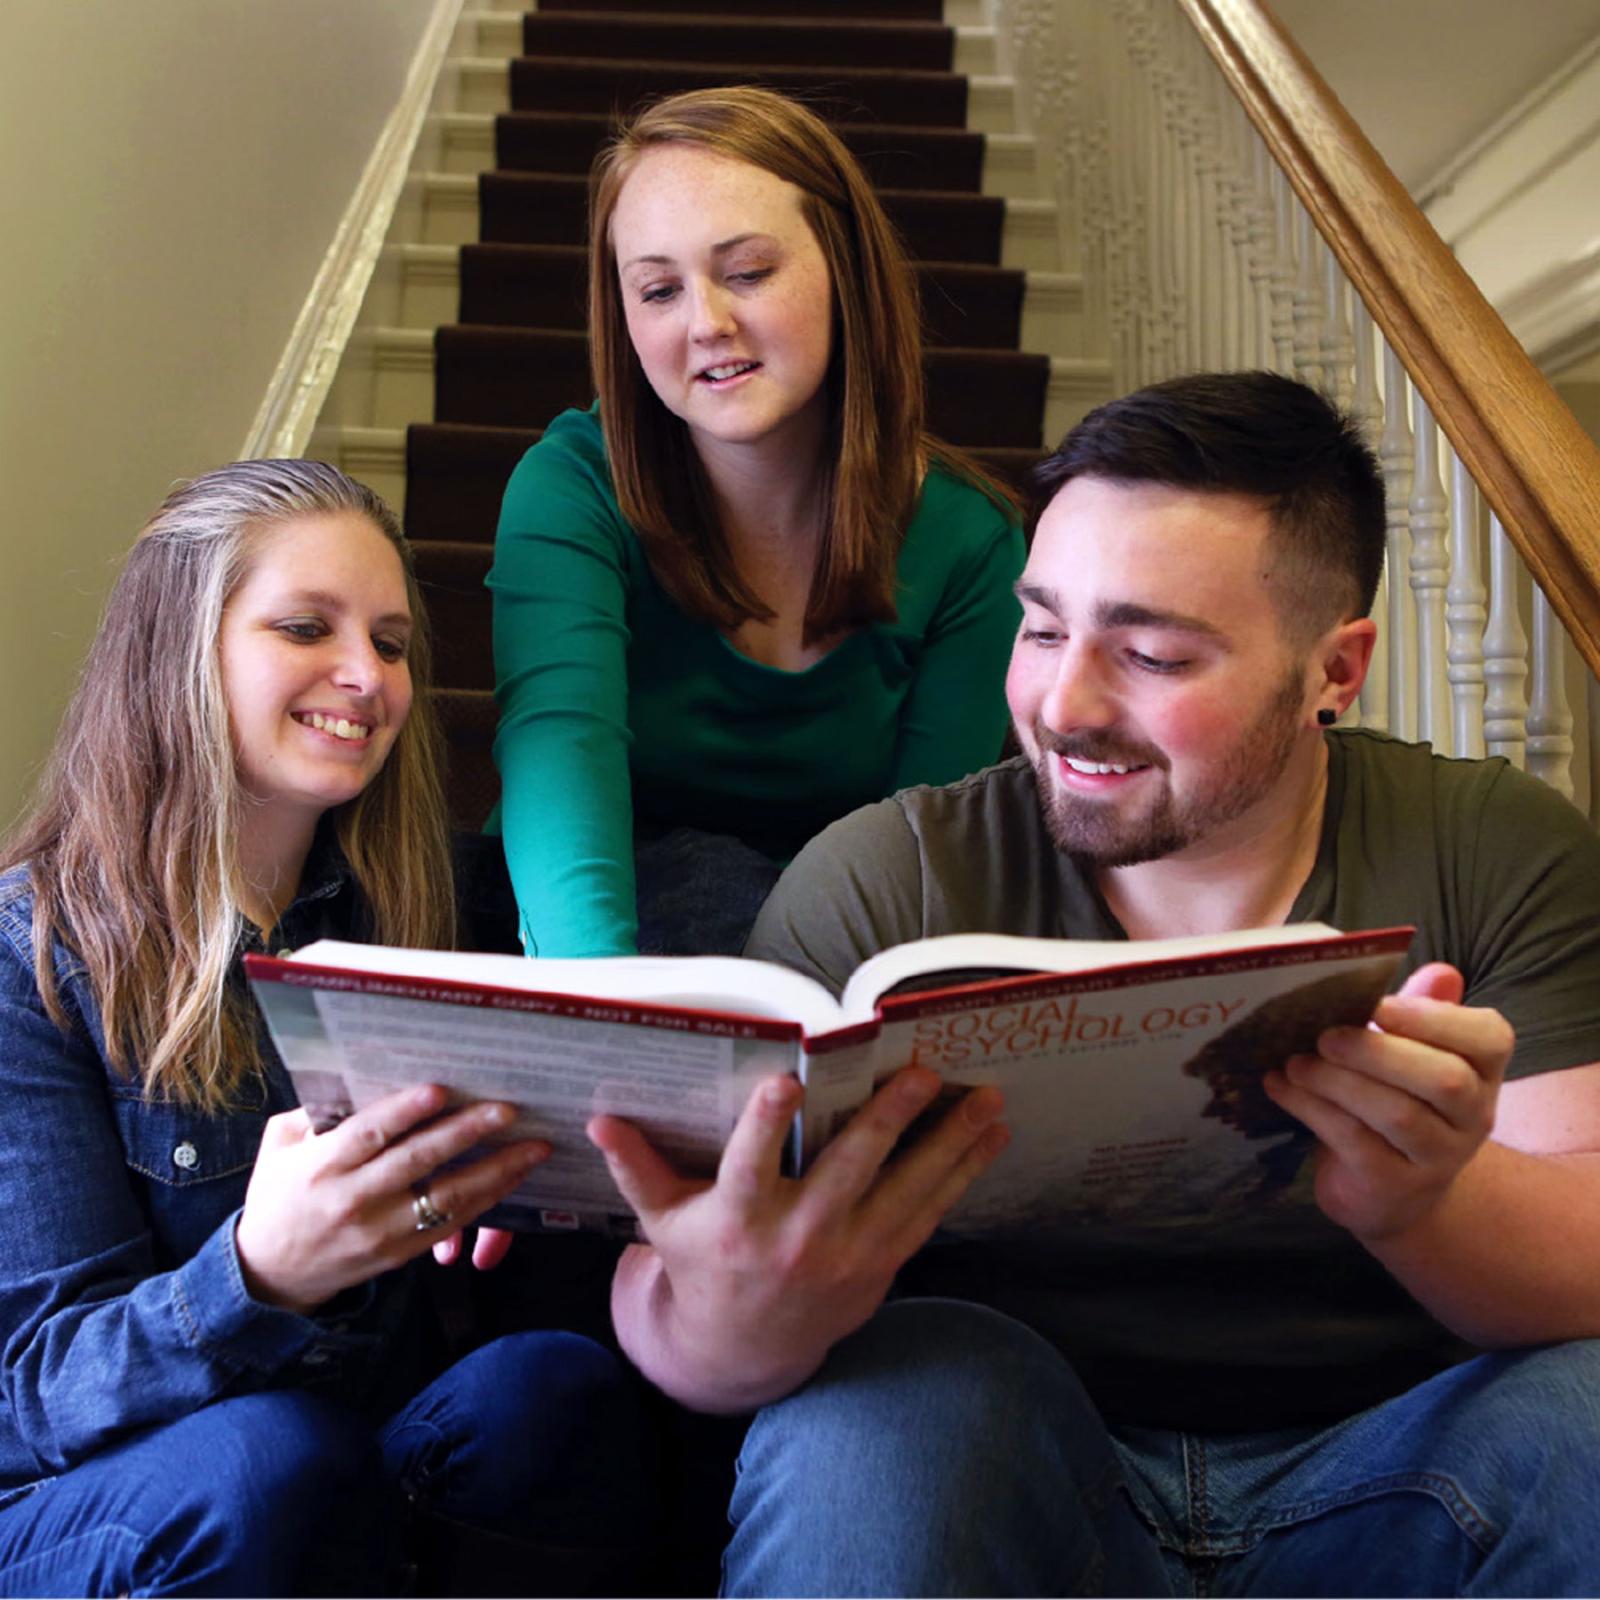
122	1302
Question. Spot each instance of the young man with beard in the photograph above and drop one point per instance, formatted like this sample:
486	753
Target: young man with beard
1393	1390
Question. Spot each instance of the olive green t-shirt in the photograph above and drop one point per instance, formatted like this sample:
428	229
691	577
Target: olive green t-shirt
1263	1321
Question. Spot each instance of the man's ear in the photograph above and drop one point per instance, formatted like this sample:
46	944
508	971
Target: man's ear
1341	659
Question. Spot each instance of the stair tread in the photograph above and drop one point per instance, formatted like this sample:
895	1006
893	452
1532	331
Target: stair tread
899	156
545	286
553	208
458	471
923	99
911	10
769	41
526	375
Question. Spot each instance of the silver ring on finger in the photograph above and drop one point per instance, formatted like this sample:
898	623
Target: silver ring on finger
428	1214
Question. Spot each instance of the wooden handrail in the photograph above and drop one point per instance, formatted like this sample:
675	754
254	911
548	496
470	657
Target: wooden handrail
1535	464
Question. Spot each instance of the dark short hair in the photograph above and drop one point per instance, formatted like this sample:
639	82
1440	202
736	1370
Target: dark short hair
1252	433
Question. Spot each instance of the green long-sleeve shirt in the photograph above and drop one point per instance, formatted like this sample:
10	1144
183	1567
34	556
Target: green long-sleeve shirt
615	705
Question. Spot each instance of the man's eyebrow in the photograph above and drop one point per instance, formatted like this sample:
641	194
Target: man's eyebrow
1109	614
1038	594
1130	614
718	249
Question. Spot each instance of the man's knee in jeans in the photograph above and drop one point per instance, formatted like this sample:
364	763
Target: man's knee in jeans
937	1386
943	1448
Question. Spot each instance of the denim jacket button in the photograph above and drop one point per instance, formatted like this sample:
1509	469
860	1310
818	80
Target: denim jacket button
186	1156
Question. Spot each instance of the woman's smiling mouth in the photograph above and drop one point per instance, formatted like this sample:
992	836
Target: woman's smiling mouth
726	372
338	727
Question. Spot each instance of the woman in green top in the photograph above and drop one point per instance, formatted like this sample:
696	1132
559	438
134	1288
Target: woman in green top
746	592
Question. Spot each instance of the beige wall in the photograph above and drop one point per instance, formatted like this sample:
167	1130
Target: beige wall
171	174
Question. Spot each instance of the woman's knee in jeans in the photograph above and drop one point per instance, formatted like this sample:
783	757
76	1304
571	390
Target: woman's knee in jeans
547	1421
265	1483
279	1449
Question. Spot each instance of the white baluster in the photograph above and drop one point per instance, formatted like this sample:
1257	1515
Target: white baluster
1366	404
1430	572
1307	300
1263	252
1505	654
1338	344
1549	714
1465	613
1237	193
1284	204
1592	695
1395	457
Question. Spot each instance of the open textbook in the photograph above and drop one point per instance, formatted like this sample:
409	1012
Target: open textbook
1132	1071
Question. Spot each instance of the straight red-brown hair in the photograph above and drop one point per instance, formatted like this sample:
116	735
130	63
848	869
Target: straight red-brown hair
876	446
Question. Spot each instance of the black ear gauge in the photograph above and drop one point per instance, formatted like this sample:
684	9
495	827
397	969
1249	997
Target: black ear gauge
1327	716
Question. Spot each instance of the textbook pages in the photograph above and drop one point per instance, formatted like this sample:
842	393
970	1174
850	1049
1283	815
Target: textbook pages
1132	1070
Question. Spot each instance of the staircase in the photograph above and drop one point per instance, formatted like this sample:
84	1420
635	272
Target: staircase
473	337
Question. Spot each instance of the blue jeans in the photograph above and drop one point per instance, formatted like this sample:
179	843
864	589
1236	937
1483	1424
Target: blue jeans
945	1449
698	893
535	1440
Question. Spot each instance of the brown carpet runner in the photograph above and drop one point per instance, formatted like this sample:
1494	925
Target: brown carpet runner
519	354
894	157
899	10
772	42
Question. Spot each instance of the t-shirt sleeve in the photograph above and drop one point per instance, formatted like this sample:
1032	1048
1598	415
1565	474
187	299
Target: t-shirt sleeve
1534	950
560	587
854	890
954	719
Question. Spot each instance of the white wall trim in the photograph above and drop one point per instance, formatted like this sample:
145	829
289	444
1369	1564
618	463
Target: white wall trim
1557	316
1530	134
311	357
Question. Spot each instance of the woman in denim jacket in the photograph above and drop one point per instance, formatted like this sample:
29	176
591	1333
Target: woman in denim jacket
215	1360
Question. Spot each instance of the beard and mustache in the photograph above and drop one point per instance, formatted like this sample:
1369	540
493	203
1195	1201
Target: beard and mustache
1103	833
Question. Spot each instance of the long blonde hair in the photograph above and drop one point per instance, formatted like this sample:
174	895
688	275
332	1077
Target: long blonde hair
130	844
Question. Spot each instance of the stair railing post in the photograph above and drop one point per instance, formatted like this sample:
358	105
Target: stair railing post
1307	299
1430	574
1505	654
1366	407
1338	347
1549	713
1282	204
1466	612
1395	458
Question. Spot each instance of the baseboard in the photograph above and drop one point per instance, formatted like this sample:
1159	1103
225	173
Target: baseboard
311	357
